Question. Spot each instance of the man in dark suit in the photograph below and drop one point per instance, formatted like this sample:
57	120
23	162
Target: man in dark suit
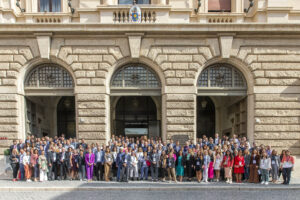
119	163
99	163
62	163
13	146
126	159
52	159
154	159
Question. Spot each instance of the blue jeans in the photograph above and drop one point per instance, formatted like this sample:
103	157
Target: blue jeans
246	174
22	171
264	175
144	173
119	172
36	171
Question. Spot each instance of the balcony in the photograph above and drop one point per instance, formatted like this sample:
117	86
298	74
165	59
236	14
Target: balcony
119	14
221	18
47	18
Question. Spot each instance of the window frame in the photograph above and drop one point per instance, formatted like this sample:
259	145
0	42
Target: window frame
50	6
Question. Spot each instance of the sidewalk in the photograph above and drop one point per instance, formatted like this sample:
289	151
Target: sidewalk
7	185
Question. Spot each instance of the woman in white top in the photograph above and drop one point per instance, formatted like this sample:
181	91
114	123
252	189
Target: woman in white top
265	167
217	164
134	166
26	162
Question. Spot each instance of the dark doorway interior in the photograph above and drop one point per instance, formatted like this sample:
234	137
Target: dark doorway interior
205	117
66	117
136	116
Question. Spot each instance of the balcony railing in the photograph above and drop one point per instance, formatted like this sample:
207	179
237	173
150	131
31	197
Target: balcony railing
220	20
122	16
47	19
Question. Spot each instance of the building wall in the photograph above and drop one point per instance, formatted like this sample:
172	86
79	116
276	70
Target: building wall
269	64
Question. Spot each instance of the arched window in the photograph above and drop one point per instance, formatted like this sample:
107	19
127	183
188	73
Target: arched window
222	78
135	76
50	76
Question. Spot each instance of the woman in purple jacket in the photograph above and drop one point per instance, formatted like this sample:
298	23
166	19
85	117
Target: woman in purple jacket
89	162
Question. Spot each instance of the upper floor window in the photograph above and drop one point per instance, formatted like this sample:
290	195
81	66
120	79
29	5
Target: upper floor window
50	5
136	76
137	1
49	75
219	5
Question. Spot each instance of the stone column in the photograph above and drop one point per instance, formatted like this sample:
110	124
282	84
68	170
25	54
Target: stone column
92	115
179	104
250	117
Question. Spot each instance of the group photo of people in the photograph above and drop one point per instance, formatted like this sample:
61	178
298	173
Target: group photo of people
123	159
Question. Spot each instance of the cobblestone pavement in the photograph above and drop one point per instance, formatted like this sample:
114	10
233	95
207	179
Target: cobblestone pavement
209	194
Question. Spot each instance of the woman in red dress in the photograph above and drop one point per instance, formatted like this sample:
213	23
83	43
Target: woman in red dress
239	164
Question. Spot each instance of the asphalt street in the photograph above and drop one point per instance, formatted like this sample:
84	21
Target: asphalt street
209	194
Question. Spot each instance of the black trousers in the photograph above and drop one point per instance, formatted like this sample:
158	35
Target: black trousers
124	173
163	172
99	171
286	173
154	172
189	170
52	173
63	170
15	168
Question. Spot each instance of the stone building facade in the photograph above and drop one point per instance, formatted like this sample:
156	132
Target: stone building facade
202	71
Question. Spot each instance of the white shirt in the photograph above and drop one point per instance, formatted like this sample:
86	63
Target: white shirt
265	163
26	160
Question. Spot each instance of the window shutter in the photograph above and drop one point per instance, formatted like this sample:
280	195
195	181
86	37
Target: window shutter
219	5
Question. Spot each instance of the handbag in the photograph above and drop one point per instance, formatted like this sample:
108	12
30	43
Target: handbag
148	163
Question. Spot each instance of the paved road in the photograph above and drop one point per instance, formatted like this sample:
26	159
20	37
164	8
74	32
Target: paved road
154	195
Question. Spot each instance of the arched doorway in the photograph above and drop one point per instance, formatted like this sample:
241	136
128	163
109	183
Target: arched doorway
47	88
135	101
222	90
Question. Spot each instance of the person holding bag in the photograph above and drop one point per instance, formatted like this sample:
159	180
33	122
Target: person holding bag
14	162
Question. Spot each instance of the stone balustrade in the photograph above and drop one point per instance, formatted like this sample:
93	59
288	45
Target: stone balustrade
47	19
221	18
122	16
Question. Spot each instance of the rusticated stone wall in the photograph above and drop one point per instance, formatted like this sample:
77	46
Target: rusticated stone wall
270	65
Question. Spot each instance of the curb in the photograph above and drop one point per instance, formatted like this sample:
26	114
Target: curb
190	188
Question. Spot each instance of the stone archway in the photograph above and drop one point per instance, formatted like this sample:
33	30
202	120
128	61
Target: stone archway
44	86
140	83
227	85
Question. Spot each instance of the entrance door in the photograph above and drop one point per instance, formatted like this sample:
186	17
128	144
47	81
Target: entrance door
66	117
205	117
136	116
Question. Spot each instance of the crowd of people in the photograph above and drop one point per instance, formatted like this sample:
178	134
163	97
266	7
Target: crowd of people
126	159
